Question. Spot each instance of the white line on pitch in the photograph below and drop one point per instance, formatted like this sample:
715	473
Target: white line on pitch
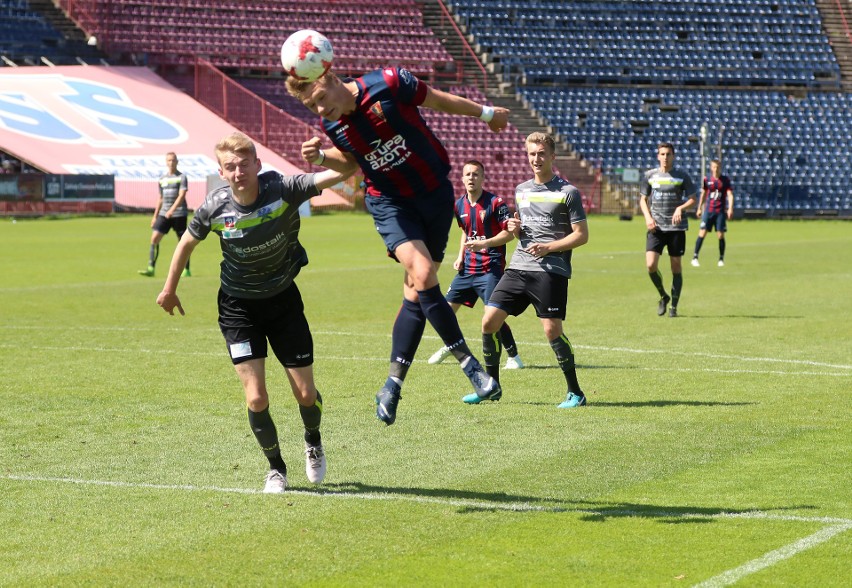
484	504
321	357
773	557
524	343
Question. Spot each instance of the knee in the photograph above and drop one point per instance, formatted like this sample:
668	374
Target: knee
490	327
305	397
257	400
552	332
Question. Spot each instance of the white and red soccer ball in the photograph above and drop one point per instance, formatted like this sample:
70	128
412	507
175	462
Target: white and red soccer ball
306	55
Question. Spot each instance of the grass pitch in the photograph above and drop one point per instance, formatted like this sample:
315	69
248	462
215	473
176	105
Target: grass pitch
715	448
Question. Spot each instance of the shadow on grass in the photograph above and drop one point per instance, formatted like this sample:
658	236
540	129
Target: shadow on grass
642	403
473	501
553	366
740	316
663	403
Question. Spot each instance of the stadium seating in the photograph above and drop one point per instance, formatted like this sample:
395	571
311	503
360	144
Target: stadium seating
710	42
779	151
729	64
26	37
248	35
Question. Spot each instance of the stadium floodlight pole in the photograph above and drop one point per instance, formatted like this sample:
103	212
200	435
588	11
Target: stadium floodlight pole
703	146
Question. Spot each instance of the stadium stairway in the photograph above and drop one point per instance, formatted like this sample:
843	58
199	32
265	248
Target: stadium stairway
833	22
570	165
74	37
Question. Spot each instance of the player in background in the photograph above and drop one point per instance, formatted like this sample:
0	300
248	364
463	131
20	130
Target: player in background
170	212
550	224
664	194
482	217
715	209
374	123
257	220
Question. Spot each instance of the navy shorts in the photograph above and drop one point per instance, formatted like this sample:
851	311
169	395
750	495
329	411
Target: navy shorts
718	220
548	293
466	289
163	225
426	218
674	240
247	324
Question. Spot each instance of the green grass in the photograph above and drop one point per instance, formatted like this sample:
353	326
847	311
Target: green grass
717	443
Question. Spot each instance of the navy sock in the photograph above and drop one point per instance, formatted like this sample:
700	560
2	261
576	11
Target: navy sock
444	321
698	243
407	332
722	248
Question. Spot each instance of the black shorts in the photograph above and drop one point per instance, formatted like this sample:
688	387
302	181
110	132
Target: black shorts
163	224
426	218
719	220
467	289
548	293
674	240
247	324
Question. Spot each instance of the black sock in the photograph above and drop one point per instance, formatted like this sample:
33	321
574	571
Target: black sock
267	436
508	340
698	243
565	358
312	417
722	248
153	254
677	285
444	321
405	338
657	279
491	354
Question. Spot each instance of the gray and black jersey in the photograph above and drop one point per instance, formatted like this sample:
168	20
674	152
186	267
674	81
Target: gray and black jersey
667	191
261	253
548	213
170	187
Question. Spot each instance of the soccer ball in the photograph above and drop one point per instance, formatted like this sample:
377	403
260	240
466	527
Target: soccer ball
306	55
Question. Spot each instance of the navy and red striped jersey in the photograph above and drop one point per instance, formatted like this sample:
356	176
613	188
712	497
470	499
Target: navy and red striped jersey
482	220
716	192
398	153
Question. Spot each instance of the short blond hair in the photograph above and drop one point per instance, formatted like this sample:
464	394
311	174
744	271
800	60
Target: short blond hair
297	87
235	143
539	138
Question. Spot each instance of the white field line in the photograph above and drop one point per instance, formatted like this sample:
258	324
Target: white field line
835	526
617	350
471	503
773	557
158	328
383	360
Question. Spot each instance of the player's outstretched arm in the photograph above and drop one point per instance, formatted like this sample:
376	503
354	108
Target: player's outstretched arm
496	117
168	298
330	177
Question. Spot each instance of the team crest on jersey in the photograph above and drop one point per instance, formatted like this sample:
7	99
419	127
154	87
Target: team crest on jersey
229	222
265	213
482	216
376	109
